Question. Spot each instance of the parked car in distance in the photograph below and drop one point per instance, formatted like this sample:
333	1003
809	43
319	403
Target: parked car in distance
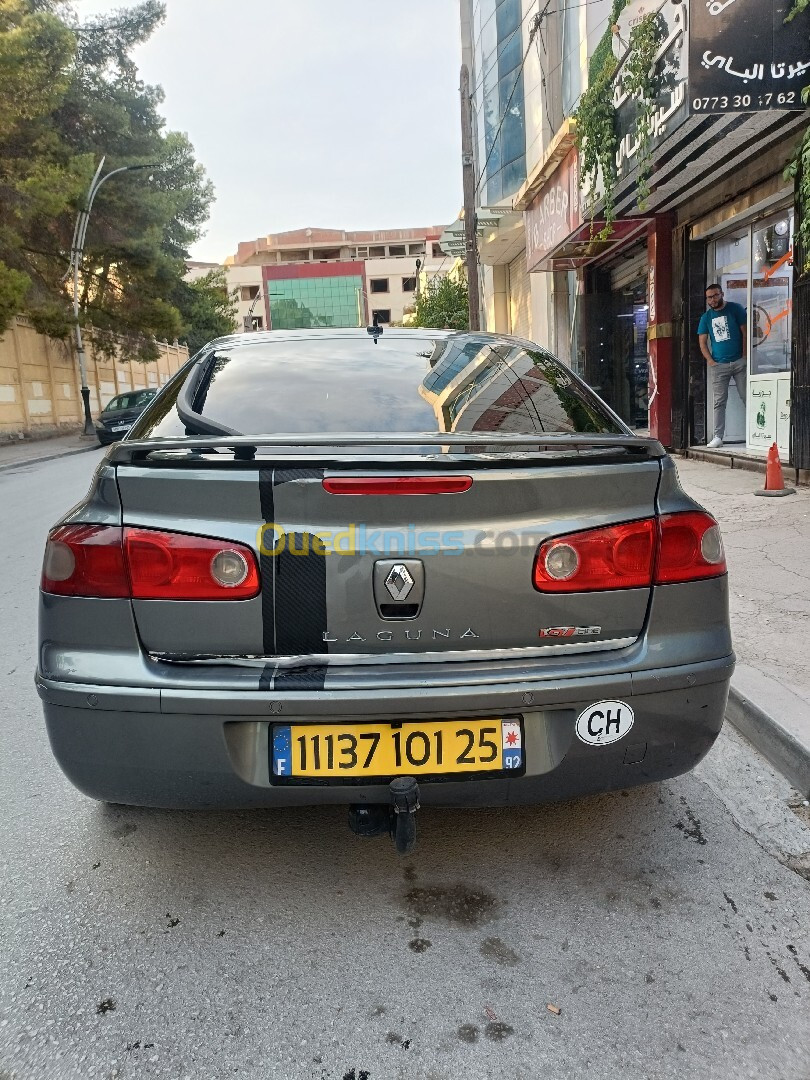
383	569
120	414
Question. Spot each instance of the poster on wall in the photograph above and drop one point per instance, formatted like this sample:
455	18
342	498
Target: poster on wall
744	57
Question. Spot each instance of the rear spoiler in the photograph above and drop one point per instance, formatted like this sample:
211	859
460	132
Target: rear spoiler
348	446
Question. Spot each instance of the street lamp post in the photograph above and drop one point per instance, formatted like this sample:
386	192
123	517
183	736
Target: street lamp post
76	256
248	323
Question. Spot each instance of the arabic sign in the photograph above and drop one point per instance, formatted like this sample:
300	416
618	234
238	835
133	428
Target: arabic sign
670	65
554	213
743	57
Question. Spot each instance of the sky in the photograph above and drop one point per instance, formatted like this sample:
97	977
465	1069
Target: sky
322	113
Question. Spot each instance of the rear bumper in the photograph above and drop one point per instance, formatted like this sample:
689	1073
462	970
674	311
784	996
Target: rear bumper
184	748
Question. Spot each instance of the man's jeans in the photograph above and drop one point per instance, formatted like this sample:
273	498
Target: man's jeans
721	376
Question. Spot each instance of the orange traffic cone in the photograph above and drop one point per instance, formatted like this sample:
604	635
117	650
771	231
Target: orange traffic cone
774	480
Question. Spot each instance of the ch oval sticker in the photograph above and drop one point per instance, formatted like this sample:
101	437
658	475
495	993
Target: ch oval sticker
604	723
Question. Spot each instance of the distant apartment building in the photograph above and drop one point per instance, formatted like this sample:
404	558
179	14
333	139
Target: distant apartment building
331	277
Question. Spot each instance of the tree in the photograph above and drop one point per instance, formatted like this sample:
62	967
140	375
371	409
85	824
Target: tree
443	304
207	308
70	94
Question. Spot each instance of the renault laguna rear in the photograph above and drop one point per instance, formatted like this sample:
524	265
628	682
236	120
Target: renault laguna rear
333	566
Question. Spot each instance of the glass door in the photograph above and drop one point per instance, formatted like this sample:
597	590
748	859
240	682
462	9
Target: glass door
754	267
732	272
771	328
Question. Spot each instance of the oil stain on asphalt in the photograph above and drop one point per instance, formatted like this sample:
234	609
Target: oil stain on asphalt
455	904
495	949
495	1031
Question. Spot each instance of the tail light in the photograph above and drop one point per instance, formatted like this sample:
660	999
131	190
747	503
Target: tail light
690	548
85	560
173	566
146	564
673	548
617	557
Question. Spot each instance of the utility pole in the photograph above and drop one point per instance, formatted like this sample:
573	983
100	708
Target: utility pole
470	223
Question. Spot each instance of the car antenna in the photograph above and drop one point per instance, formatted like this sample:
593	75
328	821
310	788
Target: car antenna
375	329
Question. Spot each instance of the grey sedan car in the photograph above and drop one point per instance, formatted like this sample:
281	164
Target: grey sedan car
118	415
381	569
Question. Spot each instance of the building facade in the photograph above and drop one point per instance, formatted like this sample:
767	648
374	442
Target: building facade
330	277
623	311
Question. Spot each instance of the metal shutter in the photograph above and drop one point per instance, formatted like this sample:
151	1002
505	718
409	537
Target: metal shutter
520	298
629	268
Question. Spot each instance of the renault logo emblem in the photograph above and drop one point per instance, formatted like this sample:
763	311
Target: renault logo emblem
399	582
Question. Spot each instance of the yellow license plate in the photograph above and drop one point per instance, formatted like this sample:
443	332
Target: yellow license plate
418	748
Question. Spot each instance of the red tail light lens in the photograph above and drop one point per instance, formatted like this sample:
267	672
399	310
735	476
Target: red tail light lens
146	564
85	560
616	557
173	566
673	548
691	548
397	485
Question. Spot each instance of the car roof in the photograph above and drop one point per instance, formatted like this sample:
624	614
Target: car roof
268	336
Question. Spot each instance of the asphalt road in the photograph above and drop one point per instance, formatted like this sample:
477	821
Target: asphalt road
670	926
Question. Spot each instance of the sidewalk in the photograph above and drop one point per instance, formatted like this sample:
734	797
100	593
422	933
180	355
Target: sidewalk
31	451
767	545
768	549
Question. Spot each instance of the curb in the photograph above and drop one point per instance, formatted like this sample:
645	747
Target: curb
784	751
46	457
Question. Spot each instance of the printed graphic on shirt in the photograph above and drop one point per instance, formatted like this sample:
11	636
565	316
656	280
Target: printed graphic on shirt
720	328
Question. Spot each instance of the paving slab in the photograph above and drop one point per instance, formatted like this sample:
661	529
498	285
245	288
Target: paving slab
768	550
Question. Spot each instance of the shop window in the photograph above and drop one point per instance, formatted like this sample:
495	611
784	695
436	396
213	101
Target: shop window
381	315
771	295
379	285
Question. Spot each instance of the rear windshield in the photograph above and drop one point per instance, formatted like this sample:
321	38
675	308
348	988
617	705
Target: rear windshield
132	400
405	383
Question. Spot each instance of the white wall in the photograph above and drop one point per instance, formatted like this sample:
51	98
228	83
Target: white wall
395	269
239	276
236	277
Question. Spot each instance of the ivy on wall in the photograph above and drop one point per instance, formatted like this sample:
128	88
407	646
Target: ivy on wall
799	171
596	127
643	84
597	135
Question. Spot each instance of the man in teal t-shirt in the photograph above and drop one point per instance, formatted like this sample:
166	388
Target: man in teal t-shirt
721	333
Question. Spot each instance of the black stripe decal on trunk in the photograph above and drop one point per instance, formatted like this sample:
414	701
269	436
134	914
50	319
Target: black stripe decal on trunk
267	565
311	678
300	598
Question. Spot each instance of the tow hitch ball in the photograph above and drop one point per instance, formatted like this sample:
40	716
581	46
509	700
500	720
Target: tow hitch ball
397	819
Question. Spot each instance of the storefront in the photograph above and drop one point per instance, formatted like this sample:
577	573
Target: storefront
753	262
604	285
